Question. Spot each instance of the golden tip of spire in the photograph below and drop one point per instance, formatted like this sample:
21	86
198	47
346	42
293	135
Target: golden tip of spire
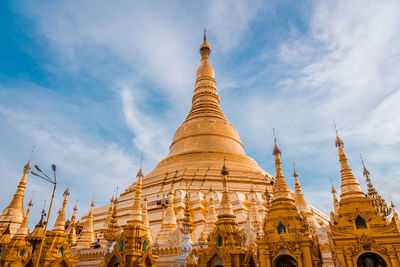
66	192
92	204
205	49
333	190
294	170
338	141
366	173
30	204
140	173
276	149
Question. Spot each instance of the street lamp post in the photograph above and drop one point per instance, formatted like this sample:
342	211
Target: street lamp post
54	182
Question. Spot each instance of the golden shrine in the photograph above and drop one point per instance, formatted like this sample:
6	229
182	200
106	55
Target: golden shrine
209	204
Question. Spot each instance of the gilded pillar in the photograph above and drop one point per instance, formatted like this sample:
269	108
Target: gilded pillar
235	260
267	258
299	258
349	260
394	260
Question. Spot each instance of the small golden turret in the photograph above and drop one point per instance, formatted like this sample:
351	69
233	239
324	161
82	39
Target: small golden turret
59	225
145	218
187	226
225	207
111	233
168	224
23	229
395	216
377	201
281	190
336	205
299	199
349	186
254	215
87	238
211	217
136	217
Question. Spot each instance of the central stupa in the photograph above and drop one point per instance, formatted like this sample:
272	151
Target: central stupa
197	152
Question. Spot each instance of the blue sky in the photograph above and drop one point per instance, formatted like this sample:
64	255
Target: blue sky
94	84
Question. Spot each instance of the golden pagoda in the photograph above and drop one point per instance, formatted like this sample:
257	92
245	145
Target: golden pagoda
226	244
87	236
205	138
13	215
16	250
361	234
133	246
288	239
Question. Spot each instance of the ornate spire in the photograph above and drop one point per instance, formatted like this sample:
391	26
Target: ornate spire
281	190
254	214
14	213
136	217
205	69
86	238
145	218
211	217
112	231
349	185
299	199
72	221
395	215
170	218
23	229
377	201
187	227
225	207
336	205
59	226
215	133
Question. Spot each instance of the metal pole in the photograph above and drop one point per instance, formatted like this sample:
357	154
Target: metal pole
45	227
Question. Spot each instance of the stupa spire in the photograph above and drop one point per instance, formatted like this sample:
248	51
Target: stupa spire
211	217
254	215
23	229
299	199
136	217
225	207
281	190
206	127
14	213
377	200
187	226
395	215
86	238
145	218
349	186
335	201
59	225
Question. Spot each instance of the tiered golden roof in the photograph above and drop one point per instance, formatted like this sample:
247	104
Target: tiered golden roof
13	215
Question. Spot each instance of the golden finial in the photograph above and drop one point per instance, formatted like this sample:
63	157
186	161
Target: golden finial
294	170
338	140
333	191
205	49
276	148
366	173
